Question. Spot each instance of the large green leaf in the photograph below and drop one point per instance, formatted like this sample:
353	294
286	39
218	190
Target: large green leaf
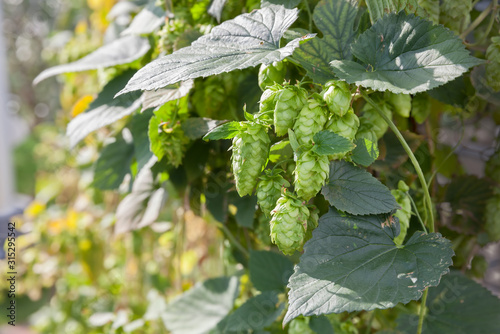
405	54
199	309
356	191
245	206
113	164
142	206
156	98
457	306
104	110
351	264
269	270
148	20
336	20
256	313
247	40
121	51
328	142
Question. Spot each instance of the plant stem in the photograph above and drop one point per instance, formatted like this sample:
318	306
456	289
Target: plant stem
416	212
232	239
479	19
416	165
421	315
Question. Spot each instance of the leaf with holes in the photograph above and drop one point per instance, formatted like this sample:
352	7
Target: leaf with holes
336	20
354	190
352	264
247	40
405	54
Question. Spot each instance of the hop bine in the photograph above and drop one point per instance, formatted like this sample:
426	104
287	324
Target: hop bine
289	223
250	153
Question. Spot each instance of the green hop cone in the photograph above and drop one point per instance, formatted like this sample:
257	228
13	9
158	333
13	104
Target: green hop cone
373	120
269	190
493	65
289	102
289	224
492	218
271	74
455	15
345	126
250	153
174	143
403	214
267	101
431	7
420	108
311	172
300	325
337	96
311	119
400	103
365	131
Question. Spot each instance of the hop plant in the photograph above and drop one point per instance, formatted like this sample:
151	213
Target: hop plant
455	15
174	143
271	74
311	119
289	223
310	174
268	98
345	126
250	153
403	214
289	102
493	65
269	190
492	217
337	96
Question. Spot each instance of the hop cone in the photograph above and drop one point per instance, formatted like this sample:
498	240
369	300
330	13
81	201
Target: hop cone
310	174
289	102
404	214
345	126
269	190
400	103
289	223
365	131
373	120
337	96
312	118
493	66
455	14
492	216
174	144
420	108
271	74
268	98
431	7
250	153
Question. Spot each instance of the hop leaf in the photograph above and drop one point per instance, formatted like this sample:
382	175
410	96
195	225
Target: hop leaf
345	126
311	173
289	224
269	190
337	96
289	102
311	119
271	74
250	153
